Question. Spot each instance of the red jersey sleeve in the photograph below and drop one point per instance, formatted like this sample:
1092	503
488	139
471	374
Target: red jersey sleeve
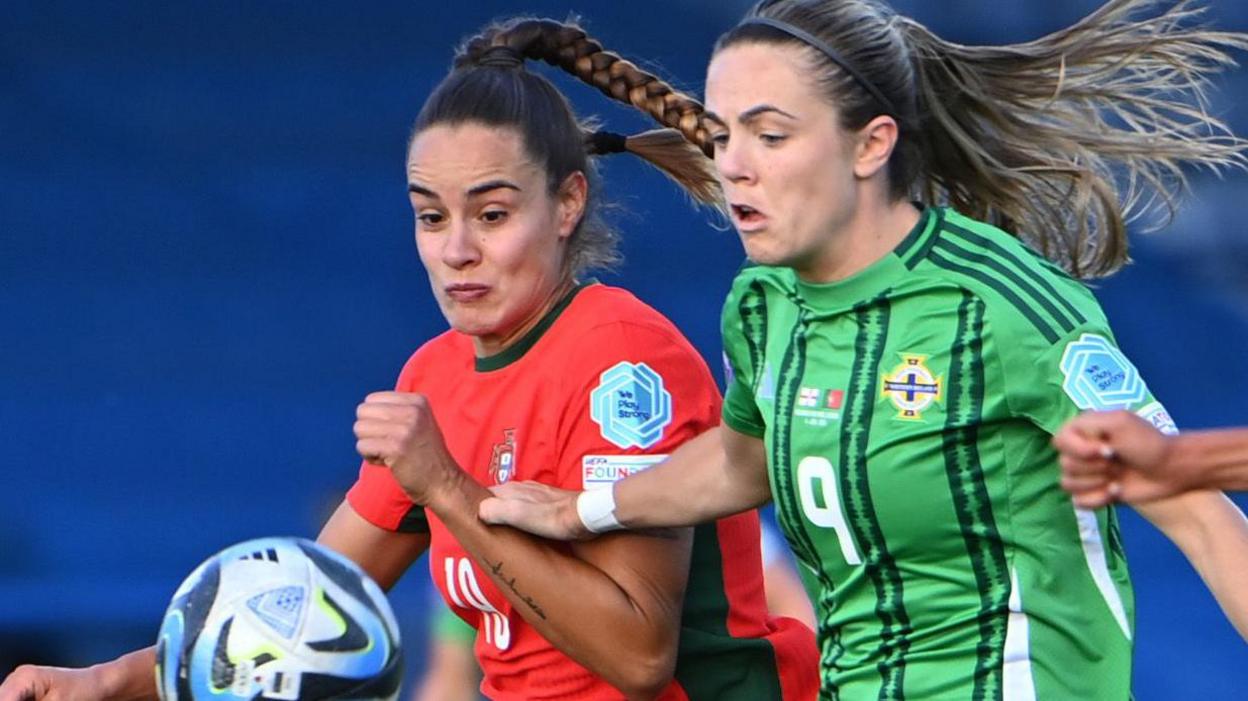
638	390
376	496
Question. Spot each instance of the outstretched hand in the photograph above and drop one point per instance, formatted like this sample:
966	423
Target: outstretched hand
534	507
1111	456
33	683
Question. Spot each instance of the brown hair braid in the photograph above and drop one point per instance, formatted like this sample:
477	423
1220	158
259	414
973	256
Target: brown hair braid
568	47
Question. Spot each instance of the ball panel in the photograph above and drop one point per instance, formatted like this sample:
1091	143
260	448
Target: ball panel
278	618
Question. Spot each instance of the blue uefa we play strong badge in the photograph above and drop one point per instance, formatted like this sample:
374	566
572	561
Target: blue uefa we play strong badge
631	406
1098	376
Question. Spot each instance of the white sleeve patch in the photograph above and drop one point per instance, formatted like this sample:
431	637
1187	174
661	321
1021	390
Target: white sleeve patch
630	405
1157	415
600	471
1099	377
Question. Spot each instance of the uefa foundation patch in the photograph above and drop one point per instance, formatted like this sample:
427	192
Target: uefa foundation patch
631	406
599	471
1157	415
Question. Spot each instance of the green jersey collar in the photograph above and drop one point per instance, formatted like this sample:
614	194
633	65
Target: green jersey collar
878	276
511	354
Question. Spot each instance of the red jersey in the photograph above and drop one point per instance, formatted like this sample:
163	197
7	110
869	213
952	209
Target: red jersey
602	387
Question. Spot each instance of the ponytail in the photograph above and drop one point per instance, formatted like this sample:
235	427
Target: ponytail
1062	141
681	150
1069	138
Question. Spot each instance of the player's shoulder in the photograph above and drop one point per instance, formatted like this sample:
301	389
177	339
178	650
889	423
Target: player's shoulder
444	352
606	326
603	314
753	278
1025	295
756	286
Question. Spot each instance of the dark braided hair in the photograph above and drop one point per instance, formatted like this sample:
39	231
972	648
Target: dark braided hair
568	47
489	85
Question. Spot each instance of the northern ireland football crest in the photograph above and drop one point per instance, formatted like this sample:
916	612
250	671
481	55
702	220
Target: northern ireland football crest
503	458
631	406
912	387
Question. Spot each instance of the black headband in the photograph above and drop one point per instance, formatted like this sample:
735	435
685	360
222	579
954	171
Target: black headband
601	143
813	41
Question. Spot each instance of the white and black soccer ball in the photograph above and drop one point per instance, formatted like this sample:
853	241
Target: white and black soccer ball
278	618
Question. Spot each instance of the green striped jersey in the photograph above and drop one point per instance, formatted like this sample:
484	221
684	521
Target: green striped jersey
906	413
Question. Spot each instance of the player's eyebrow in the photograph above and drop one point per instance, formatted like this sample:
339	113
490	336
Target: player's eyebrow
749	115
492	185
472	191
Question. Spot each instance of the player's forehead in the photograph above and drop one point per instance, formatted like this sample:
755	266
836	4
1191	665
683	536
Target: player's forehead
454	159
742	76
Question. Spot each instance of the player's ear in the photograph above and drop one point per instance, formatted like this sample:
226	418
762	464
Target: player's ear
875	144
571	199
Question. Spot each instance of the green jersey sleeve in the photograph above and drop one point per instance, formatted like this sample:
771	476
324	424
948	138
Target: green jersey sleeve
1084	371
743	356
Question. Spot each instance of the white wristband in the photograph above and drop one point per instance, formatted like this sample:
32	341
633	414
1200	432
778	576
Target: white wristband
596	509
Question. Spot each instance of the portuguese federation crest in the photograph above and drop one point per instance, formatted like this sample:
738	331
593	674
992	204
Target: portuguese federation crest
503	458
912	387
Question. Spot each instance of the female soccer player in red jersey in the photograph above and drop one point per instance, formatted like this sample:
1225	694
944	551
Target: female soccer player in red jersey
542	377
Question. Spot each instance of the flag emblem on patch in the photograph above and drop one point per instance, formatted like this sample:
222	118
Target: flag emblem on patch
808	397
836	397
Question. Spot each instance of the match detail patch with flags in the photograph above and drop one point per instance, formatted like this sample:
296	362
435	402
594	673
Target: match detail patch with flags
1099	377
599	471
631	406
818	407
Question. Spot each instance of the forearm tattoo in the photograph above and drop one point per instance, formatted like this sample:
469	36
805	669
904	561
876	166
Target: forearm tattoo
497	569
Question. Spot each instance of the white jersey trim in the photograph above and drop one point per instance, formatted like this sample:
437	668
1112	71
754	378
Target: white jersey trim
1019	684
1094	553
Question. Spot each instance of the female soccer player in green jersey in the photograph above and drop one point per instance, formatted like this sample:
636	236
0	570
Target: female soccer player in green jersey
897	369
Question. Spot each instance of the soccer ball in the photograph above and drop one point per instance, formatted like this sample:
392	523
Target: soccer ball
278	618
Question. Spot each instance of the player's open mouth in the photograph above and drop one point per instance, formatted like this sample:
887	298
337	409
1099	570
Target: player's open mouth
747	217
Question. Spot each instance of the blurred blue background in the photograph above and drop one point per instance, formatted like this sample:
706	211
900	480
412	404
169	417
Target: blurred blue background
206	262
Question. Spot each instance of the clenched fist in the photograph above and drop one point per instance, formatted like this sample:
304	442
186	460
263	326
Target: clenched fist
397	429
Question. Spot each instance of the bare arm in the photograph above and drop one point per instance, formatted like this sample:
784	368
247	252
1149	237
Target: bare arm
719	473
1211	459
127	678
1109	456
1213	534
623	622
383	554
